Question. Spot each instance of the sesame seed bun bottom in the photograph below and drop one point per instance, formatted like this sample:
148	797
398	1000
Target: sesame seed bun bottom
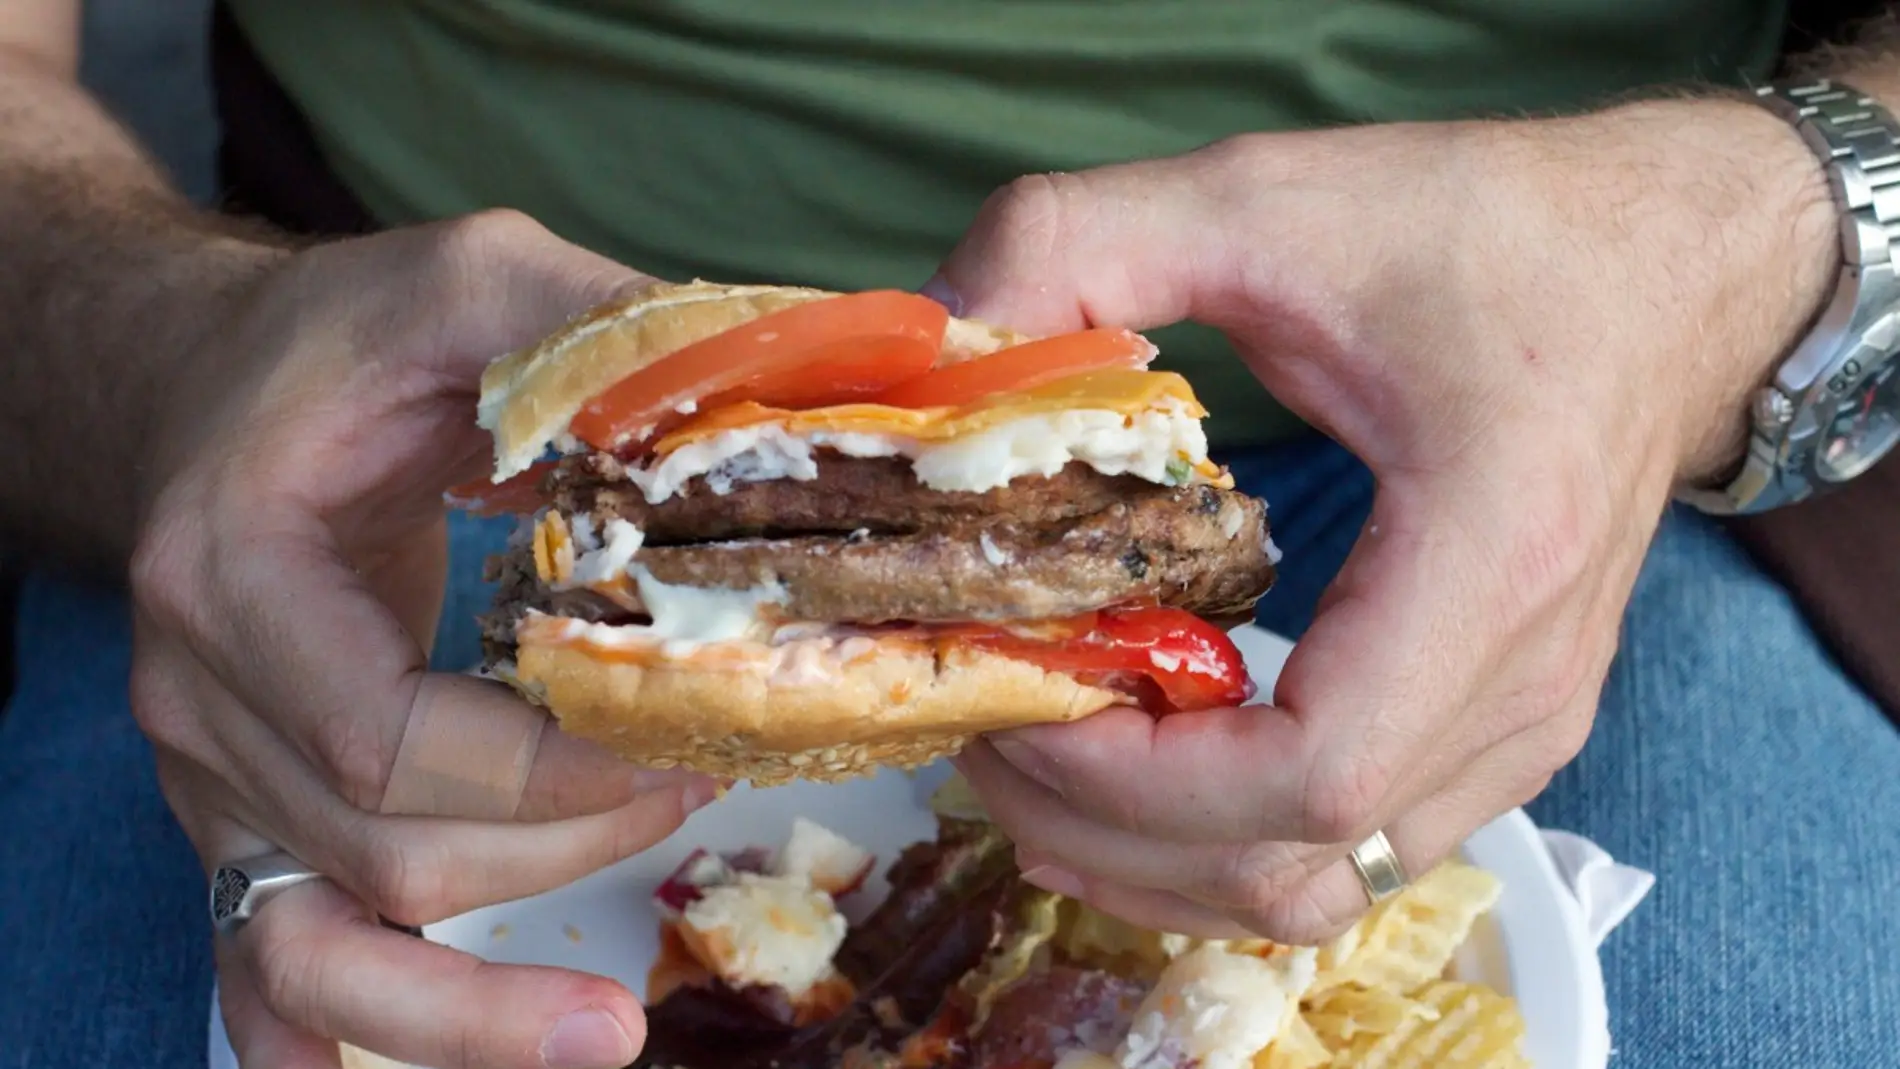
901	704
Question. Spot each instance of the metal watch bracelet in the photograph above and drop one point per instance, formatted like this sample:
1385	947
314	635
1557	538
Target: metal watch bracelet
1858	142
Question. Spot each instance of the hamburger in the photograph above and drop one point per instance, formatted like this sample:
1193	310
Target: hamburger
775	532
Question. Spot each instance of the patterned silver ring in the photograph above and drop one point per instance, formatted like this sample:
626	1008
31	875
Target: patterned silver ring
240	888
1379	869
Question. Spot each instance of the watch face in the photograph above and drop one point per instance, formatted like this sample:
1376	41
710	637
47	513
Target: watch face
1865	426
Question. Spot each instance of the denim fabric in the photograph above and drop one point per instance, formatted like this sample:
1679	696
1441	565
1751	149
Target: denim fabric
1731	758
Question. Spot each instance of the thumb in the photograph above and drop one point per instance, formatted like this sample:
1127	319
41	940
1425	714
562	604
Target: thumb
498	281
1132	245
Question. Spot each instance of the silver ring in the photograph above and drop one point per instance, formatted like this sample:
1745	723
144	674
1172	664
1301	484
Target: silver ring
240	888
1379	869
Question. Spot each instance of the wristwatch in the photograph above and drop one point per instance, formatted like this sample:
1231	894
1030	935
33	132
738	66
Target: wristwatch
1833	409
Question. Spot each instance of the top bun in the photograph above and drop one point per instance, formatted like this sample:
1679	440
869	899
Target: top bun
529	397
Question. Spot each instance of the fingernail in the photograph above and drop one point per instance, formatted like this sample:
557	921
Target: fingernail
700	793
587	1039
648	780
937	289
1025	759
1054	880
695	790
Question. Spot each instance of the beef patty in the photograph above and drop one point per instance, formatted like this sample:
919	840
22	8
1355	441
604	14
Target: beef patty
859	544
879	495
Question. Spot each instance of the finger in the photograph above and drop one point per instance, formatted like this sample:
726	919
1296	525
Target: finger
1041	825
258	1038
413	581
1205	777
419	870
300	613
491	282
1424	836
324	966
1306	913
472	748
1105	247
414	869
1287	892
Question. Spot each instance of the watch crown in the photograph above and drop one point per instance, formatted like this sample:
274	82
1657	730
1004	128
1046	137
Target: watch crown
1771	409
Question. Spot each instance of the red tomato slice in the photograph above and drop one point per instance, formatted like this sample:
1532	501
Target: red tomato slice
767	349
839	374
1021	366
1188	663
519	495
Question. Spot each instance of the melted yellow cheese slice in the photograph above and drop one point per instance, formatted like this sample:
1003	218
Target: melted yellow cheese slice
1125	390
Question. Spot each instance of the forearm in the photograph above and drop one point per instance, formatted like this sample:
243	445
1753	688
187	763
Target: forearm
1715	192
108	277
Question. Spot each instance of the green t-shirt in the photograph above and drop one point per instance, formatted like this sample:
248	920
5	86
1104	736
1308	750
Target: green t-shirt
861	135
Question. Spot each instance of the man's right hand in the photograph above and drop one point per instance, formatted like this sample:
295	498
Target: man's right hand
290	567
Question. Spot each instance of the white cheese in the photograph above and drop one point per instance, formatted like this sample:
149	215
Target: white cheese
1111	443
1213	1009
862	445
769	930
1043	445
991	551
601	560
694	615
758	453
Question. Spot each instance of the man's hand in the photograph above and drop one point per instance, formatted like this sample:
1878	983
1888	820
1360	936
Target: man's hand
1530	332
287	581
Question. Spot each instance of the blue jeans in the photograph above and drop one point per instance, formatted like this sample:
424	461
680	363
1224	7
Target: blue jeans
1730	757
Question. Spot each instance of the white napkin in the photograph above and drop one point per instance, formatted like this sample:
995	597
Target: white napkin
1606	890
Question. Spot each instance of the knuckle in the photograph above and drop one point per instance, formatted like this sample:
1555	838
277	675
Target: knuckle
464	248
290	972
492	227
355	756
404	883
164	577
1259	878
1342	797
1533	787
1570	732
1026	218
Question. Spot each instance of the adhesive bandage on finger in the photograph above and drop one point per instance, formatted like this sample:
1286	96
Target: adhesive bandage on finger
466	752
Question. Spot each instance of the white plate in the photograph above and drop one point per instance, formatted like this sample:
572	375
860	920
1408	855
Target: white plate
1533	946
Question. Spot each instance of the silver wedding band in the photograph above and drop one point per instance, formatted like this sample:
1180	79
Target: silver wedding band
240	888
1379	869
